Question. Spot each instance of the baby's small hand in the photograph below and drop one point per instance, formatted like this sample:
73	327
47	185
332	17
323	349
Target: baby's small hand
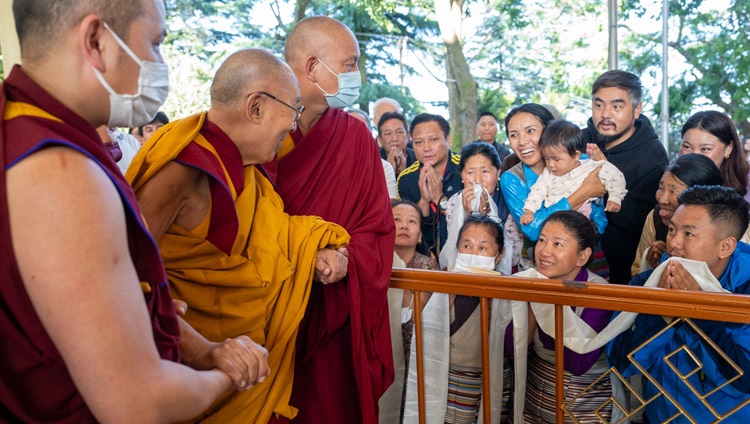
526	218
594	152
612	207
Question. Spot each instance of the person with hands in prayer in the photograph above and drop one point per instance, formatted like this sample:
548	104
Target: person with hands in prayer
432	179
703	254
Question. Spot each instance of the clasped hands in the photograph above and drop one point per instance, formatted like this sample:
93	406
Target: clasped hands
467	197
243	360
675	276
397	159
655	252
331	265
430	188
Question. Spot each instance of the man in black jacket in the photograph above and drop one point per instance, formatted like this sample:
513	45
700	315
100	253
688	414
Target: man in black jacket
431	180
618	133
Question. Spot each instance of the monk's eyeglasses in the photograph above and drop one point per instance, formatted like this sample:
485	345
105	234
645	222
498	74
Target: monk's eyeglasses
297	110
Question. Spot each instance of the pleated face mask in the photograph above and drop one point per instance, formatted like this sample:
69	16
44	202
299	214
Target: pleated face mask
466	261
348	92
133	110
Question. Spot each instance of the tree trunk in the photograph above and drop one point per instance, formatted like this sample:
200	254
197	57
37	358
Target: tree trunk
462	89
300	10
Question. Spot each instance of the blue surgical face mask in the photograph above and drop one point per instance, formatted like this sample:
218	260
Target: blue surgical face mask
348	92
133	110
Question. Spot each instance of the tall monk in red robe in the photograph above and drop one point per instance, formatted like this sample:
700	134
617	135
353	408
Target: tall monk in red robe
244	267
344	359
89	332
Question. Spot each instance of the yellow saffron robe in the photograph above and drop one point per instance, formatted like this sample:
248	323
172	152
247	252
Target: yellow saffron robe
259	289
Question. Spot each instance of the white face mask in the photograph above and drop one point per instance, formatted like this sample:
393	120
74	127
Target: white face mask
348	93
465	261
134	110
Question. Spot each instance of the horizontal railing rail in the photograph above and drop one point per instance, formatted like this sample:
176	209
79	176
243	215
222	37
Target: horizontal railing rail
649	300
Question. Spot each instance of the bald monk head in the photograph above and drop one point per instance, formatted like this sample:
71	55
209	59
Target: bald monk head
255	100
318	49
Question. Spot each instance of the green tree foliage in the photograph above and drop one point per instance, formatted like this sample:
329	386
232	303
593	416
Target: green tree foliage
514	51
208	30
715	48
380	26
541	51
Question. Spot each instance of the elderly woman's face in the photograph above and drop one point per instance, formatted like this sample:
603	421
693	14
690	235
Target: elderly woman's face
557	254
670	187
524	132
478	169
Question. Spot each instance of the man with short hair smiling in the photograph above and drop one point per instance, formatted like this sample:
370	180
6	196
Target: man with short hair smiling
705	227
619	133
433	179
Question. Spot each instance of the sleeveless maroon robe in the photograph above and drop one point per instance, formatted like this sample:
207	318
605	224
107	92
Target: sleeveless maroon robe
35	384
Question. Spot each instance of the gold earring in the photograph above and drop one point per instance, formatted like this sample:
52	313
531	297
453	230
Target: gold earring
726	156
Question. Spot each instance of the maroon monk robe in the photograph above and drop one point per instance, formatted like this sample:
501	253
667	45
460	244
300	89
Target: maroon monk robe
344	359
35	385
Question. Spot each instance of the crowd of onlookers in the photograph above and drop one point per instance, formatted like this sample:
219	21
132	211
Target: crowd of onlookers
601	205
234	265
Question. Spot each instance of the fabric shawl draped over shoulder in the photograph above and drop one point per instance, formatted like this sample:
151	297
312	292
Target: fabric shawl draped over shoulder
251	275
334	171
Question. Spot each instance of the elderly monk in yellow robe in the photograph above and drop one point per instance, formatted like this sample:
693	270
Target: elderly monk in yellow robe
242	265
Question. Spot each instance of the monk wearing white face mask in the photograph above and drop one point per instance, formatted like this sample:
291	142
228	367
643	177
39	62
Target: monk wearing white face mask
330	167
90	332
132	110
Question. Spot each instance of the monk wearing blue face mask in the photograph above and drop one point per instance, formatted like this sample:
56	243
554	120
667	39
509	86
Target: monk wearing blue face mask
330	167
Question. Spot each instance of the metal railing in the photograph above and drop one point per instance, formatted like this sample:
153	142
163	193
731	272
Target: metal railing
686	304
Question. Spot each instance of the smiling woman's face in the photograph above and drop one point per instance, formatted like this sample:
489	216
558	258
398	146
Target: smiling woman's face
557	254
524	132
704	143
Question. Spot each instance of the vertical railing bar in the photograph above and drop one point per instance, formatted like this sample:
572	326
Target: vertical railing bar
559	363
486	401
417	296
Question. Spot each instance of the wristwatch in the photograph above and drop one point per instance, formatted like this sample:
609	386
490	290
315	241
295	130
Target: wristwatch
443	203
